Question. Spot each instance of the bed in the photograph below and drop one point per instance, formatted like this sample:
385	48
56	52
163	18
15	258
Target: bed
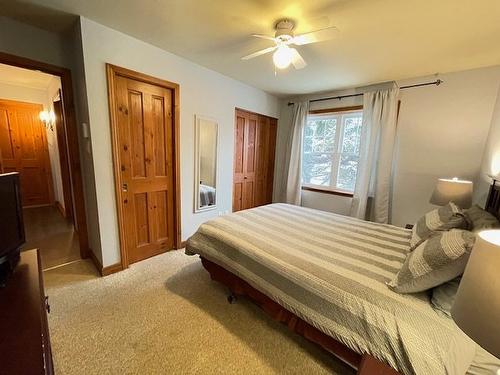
325	276
207	195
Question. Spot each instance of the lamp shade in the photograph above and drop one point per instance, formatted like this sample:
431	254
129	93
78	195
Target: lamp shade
452	190
477	305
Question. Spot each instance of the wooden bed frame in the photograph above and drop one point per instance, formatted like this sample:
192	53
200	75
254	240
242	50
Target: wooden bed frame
364	364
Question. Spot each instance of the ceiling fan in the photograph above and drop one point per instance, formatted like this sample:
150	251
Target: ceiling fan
284	55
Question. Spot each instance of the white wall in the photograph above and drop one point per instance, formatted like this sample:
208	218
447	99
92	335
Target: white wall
20	39
202	92
442	132
74	38
491	158
22	94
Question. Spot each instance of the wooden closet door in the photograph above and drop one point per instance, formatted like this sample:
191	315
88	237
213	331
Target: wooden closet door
145	137
244	161
239	150
262	161
255	144
24	149
271	155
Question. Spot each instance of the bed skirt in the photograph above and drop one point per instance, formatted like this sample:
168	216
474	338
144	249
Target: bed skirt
364	364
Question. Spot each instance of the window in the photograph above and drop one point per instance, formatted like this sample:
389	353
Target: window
331	150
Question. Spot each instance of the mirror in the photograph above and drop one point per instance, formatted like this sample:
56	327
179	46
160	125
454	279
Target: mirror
206	134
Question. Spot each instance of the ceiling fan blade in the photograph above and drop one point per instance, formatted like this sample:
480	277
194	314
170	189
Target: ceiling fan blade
258	53
297	60
264	36
314	36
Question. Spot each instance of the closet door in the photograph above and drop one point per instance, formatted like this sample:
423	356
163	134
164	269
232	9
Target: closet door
255	140
271	153
261	175
239	150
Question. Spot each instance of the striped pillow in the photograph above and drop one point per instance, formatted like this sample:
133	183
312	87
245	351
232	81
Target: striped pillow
480	219
437	260
441	219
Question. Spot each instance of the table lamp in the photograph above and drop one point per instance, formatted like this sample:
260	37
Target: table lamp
477	305
452	190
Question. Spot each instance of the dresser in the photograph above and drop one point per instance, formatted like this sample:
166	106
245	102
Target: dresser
24	332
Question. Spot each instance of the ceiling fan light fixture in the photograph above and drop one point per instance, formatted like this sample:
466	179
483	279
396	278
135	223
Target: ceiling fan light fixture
282	57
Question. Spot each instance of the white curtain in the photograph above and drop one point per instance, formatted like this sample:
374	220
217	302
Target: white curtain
378	136
294	175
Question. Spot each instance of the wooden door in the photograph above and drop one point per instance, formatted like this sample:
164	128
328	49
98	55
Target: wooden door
262	161
255	142
245	161
271	152
63	157
23	145
145	129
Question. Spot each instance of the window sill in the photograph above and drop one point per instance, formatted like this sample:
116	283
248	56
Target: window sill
328	191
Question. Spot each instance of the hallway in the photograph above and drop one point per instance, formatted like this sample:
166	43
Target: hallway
47	230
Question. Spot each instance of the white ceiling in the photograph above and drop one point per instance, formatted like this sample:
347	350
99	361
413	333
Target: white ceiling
24	77
379	40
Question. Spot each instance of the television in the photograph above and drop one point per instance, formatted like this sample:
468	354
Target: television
11	223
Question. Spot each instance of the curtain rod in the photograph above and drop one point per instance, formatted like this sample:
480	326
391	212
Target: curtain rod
437	82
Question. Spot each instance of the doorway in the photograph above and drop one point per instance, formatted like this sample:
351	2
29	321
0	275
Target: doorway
38	139
144	113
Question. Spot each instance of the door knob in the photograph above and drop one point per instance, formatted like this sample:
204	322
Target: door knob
125	187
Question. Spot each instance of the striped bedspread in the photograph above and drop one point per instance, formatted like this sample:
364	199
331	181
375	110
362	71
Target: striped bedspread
331	271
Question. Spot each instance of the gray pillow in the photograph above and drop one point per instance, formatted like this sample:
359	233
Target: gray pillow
440	219
480	219
435	261
443	296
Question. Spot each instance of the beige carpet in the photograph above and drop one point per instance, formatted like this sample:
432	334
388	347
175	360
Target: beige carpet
165	316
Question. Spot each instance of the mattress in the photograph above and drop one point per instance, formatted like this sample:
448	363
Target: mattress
331	271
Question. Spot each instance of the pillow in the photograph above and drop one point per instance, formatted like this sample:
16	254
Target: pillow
440	219
480	219
443	296
435	261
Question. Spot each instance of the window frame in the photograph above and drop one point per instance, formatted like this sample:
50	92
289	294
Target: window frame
337	153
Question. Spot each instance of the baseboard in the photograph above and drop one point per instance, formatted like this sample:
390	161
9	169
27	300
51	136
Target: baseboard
105	271
60	208
117	267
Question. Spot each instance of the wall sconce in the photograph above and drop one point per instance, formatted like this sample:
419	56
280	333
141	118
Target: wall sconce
48	118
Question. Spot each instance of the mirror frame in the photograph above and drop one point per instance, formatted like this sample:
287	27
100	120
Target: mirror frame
197	124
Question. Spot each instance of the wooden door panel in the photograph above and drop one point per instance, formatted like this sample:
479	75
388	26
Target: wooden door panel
6	140
250	136
239	144
162	141
136	131
145	136
273	129
162	216
141	219
248	195
24	149
237	196
262	161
